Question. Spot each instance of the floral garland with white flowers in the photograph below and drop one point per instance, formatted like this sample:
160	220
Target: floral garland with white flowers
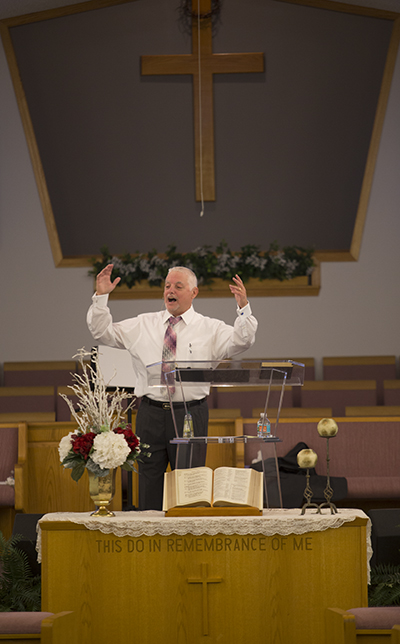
208	264
103	440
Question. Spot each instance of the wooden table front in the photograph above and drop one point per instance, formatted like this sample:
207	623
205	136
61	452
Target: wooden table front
184	589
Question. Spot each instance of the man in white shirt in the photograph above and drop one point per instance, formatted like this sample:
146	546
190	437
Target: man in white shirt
197	338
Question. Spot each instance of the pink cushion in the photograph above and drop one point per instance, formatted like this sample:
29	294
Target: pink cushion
365	487
19	622
376	617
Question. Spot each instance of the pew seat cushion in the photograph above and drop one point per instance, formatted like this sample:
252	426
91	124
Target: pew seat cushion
22	622
376	617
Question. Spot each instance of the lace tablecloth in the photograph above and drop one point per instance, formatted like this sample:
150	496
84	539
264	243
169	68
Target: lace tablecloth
149	523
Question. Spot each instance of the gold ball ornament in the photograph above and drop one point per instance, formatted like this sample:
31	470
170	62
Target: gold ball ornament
327	427
307	458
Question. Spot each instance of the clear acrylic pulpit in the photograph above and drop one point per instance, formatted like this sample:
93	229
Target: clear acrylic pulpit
185	376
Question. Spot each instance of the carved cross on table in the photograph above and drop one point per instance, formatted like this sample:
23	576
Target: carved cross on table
205	580
202	63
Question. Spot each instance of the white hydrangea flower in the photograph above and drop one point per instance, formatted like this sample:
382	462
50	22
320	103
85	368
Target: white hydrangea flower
126	269
153	275
144	265
65	445
118	265
110	450
291	267
256	261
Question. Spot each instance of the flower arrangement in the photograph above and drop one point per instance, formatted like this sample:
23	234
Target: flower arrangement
103	440
275	263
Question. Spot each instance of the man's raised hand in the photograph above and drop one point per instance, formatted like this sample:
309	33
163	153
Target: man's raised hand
104	285
239	291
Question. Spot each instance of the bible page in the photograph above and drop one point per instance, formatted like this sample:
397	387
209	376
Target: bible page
194	486
231	485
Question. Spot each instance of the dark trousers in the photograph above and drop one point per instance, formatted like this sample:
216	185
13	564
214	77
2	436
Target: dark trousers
154	426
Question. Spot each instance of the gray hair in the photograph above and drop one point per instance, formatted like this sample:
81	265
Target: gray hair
192	279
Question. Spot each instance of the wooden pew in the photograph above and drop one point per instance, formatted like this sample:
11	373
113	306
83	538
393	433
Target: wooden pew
42	628
309	374
373	410
249	397
43	373
225	413
18	403
28	417
50	487
362	625
364	451
338	394
13	462
309	365
295	412
63	412
378	368
391	392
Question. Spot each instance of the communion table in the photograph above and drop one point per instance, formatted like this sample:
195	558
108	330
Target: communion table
142	577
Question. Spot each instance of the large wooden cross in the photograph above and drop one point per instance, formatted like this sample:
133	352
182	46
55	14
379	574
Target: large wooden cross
208	64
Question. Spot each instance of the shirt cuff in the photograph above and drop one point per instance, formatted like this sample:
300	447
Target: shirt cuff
100	300
245	311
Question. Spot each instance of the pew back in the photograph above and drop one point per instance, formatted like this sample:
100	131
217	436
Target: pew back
391	392
338	394
377	368
42	373
365	451
248	397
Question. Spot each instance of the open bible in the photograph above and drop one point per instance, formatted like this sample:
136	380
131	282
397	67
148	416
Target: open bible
202	486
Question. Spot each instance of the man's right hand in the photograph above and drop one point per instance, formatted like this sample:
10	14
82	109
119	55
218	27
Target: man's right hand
104	285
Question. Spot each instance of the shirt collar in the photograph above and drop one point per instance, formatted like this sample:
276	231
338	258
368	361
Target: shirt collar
187	317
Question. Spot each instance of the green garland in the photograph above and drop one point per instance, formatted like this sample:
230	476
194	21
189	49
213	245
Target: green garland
273	264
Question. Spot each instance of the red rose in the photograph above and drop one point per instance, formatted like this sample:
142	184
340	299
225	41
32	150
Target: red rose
82	444
130	437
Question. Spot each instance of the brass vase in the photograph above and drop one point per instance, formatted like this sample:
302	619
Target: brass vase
102	490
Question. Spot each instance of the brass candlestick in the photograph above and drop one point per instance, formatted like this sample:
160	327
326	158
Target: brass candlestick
307	458
327	428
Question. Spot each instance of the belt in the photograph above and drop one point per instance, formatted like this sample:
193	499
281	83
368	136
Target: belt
167	405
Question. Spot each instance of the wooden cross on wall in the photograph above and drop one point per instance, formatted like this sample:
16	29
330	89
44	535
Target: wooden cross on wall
210	64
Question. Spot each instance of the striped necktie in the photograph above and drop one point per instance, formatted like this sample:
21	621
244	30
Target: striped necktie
169	353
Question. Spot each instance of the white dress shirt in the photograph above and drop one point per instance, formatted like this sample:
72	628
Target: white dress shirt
198	338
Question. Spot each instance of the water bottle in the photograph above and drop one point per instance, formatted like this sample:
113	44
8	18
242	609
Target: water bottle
188	426
263	427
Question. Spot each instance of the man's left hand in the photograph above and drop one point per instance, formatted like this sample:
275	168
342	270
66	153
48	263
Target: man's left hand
239	291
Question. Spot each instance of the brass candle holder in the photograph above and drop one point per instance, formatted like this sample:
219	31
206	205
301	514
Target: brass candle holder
327	428
307	458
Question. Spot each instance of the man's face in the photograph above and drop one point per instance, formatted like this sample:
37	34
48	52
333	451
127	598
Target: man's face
178	295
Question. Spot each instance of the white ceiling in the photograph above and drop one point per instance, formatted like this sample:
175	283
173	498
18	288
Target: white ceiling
9	8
